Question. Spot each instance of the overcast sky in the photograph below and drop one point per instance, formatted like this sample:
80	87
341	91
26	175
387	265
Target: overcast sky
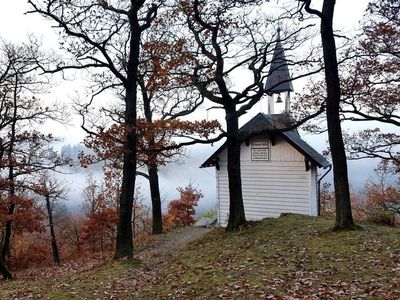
15	26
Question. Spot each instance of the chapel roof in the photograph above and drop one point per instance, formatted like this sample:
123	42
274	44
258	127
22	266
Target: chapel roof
273	124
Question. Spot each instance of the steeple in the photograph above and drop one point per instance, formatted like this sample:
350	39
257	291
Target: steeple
278	85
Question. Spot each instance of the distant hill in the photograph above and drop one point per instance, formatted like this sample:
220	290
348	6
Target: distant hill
72	151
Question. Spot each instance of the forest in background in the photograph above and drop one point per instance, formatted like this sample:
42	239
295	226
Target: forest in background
151	124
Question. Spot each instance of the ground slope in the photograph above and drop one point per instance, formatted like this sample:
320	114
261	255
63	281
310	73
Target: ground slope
292	257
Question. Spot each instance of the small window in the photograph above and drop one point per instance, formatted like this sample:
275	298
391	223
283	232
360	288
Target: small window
260	150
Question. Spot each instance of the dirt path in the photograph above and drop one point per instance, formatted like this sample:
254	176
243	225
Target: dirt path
149	254
180	238
165	243
100	278
154	258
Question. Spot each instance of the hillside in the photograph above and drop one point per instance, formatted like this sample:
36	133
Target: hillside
292	256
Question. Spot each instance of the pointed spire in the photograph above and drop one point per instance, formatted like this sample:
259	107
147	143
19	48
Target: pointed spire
278	38
278	71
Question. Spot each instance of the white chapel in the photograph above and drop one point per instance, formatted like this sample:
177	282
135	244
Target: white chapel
278	168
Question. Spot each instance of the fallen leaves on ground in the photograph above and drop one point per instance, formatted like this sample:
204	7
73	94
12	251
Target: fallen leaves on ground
292	257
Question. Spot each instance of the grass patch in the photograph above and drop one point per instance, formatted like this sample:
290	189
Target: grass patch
292	255
93	284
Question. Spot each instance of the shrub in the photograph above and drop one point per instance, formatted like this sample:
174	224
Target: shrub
181	211
98	231
327	200
381	217
30	249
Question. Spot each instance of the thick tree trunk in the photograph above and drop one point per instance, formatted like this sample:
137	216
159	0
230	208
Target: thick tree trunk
236	209
124	247
54	246
155	199
344	218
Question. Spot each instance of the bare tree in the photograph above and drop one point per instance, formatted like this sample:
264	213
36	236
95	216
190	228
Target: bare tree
3	268
26	150
90	29
370	84
344	217
90	193
229	40
165	93
52	191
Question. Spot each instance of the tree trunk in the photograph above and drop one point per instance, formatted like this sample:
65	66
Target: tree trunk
124	247
4	271
77	241
7	235
344	218
155	199
157	226
236	209
3	268
54	246
11	191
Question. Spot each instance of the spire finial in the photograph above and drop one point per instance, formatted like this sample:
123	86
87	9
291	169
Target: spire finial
279	33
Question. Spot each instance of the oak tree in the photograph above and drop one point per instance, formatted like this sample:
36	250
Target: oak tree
165	94
52	190
229	39
24	150
369	68
90	30
344	217
371	84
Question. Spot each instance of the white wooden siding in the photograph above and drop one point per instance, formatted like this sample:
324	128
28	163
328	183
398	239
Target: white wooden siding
269	187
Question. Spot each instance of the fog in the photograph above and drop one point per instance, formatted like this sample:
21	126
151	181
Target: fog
186	171
15	26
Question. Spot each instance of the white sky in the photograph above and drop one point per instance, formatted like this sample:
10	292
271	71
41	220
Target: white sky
15	26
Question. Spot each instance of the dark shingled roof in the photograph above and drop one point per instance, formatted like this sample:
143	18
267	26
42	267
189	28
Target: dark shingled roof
295	140
264	122
278	72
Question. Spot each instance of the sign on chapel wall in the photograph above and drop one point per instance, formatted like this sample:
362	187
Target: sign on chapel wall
260	150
